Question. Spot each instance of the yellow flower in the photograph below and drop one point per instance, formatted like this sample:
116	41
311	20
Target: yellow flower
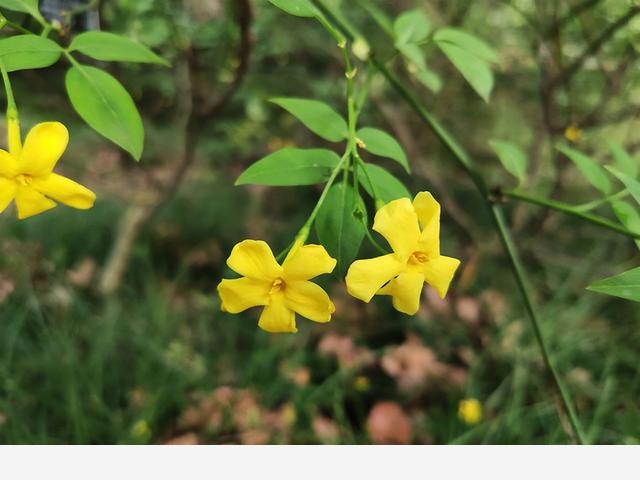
470	411
26	173
413	232
283	290
573	133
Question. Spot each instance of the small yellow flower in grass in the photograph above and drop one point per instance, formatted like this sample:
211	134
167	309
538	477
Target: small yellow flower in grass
573	133
362	383
26	173
283	290
413	232
470	411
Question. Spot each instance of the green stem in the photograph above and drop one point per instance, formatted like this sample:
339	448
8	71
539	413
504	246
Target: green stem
465	162
571	210
11	102
19	28
587	207
521	279
306	228
332	178
373	241
71	59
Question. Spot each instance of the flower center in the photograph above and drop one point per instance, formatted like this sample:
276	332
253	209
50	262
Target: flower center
276	286
418	257
24	179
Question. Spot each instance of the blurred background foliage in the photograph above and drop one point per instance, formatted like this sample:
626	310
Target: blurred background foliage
110	330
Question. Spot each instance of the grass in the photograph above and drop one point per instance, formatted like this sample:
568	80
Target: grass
77	368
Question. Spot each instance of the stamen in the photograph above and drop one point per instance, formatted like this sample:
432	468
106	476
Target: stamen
24	179
418	257
277	286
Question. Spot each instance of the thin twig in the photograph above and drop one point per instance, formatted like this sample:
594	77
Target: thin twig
465	162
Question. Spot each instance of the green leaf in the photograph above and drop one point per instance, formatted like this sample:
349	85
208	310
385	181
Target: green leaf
26	52
513	159
317	116
106	106
412	26
339	225
626	285
593	172
632	184
382	144
299	8
429	79
474	69
467	42
25	6
291	166
110	47
625	163
387	187
628	216
413	54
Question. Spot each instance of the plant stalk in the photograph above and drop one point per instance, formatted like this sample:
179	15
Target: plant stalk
465	162
571	210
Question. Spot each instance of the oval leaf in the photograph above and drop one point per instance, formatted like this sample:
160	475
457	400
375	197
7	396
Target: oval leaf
513	159
628	216
26	52
386	186
291	166
429	79
25	6
299	8
339	225
467	42
317	116
110	47
626	285
474	69
414	55
412	26
382	144
106	106
625	163
593	172
632	184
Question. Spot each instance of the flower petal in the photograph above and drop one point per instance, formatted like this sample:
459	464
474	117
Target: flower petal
64	191
7	192
254	259
428	211
43	147
398	224
30	202
439	271
365	277
239	294
308	261
406	290
309	300
8	165
277	317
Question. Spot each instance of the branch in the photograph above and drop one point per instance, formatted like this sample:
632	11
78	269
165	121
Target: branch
595	46
465	162
192	121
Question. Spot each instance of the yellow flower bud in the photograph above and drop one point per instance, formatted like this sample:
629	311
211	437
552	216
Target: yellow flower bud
470	411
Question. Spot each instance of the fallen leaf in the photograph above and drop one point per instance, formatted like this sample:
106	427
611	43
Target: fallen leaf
389	424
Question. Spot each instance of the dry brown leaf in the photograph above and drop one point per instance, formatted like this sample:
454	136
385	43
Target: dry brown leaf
186	439
389	424
326	430
81	275
345	350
